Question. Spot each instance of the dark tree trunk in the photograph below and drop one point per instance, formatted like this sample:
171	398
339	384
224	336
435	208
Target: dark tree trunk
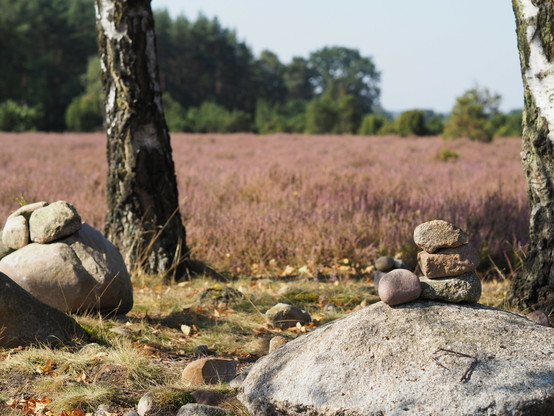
533	287
143	217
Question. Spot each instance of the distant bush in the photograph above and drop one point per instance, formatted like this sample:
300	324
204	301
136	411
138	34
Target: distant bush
322	116
84	114
18	117
175	114
388	128
511	125
411	123
446	154
372	123
86	111
213	118
473	116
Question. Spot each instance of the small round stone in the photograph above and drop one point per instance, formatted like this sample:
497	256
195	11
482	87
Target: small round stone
385	264
399	286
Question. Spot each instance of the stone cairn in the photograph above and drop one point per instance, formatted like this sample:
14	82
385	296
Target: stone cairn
448	262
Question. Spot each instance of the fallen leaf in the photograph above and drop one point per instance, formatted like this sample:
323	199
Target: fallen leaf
187	330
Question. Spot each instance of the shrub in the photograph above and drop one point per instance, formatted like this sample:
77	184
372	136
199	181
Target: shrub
18	117
411	123
511	125
447	154
84	114
473	116
175	114
213	118
372	123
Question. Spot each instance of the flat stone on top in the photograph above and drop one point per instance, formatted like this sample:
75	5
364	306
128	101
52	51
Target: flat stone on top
449	261
436	234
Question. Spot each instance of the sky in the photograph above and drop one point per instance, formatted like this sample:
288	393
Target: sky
428	52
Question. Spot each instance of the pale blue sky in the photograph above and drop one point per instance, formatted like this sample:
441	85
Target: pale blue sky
429	51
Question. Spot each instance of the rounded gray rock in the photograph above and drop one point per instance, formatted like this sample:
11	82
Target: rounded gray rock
463	288
422	358
385	264
284	316
399	286
52	222
436	234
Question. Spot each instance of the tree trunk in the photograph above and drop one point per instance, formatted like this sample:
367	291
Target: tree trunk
533	287
143	217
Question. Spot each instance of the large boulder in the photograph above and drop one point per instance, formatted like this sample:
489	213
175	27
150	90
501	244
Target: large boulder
24	320
79	273
422	358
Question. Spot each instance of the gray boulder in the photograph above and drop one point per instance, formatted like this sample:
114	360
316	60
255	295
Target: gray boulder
53	222
463	288
436	234
449	261
284	316
422	358
79	273
194	409
24	320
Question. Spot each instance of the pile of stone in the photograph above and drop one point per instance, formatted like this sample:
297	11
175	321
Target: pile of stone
448	262
63	262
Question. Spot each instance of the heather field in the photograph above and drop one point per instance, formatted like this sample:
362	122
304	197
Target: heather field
269	205
256	208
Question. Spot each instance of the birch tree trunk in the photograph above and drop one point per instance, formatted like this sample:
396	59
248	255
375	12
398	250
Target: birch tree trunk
143	217
534	286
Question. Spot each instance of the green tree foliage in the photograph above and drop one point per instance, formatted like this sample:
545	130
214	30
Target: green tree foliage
86	112
473	116
411	123
269	75
202	61
175	115
18	117
372	123
211	117
511	125
322	115
44	46
289	117
297	78
344	71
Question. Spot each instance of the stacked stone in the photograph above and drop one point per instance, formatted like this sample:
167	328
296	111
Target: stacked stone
448	262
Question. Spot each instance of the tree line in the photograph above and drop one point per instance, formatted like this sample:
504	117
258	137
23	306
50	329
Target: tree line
212	82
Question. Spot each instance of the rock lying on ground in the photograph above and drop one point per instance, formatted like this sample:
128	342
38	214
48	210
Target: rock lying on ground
421	358
73	267
195	409
209	371
24	320
284	316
